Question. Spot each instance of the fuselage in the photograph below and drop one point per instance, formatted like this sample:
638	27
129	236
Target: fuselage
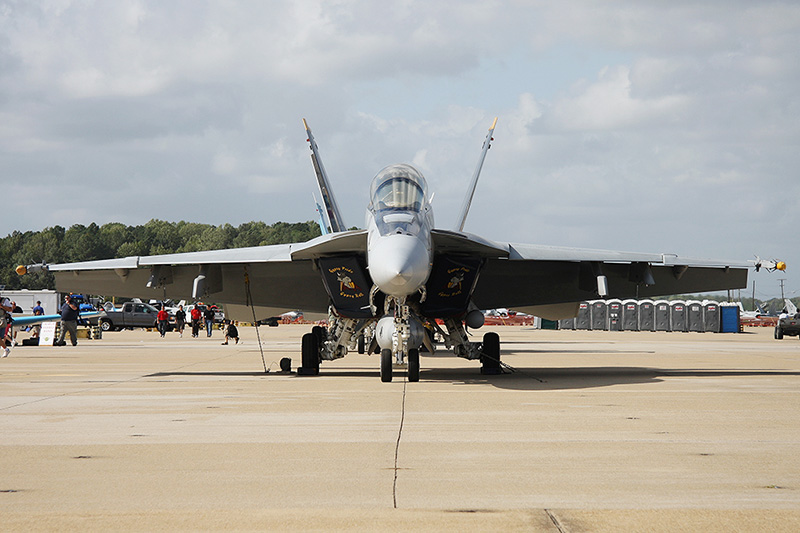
399	221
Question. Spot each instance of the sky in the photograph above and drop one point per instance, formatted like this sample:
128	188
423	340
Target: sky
639	126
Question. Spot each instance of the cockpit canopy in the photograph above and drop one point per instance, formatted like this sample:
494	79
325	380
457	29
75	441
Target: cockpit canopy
398	188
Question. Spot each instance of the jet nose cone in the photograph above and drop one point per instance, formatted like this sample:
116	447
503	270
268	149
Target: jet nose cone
399	264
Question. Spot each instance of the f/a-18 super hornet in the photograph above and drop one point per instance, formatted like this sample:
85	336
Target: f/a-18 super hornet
400	283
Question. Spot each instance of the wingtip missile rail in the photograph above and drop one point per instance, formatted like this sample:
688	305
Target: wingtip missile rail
30	269
771	265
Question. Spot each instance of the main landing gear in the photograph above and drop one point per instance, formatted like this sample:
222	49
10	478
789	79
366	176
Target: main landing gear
395	333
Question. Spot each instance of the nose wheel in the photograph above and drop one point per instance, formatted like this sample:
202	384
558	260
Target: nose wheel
386	365
413	365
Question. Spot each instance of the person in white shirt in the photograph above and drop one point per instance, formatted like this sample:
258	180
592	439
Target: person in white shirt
6	306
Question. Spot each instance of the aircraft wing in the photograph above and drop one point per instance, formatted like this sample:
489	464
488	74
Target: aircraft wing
527	276
274	278
550	281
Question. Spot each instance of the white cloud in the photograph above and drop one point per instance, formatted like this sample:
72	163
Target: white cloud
608	104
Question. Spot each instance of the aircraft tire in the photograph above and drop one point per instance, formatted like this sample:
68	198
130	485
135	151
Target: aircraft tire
310	355
386	365
778	333
361	343
320	333
490	356
413	365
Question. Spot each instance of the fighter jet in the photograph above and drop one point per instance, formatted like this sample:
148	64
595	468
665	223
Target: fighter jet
401	282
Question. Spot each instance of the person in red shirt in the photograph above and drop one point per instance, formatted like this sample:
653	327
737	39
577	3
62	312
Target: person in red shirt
163	321
196	316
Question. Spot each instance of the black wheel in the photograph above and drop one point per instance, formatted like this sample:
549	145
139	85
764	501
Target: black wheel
778	333
361	343
310	355
413	365
320	333
105	325
490	355
386	365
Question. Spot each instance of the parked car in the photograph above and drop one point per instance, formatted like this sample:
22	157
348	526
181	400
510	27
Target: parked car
788	325
131	315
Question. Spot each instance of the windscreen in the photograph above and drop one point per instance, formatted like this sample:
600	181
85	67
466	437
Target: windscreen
398	187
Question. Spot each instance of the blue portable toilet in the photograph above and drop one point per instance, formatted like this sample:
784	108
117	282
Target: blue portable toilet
729	318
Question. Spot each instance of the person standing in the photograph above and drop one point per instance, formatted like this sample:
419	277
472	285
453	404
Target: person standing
38	310
208	315
196	316
69	321
180	320
6	306
163	320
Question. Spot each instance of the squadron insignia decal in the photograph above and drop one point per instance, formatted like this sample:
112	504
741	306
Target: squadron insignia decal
347	287
455	282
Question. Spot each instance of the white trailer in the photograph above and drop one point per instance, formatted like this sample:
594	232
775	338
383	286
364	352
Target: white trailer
27	300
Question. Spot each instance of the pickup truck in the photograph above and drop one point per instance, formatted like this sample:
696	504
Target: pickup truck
787	325
131	315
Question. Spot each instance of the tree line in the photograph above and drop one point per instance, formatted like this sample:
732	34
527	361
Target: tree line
112	240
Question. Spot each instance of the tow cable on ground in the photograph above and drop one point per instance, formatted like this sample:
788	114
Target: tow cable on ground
255	322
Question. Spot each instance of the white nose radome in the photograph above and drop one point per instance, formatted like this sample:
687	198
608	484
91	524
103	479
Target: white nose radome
398	264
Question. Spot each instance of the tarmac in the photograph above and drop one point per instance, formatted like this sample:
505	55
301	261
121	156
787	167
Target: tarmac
594	431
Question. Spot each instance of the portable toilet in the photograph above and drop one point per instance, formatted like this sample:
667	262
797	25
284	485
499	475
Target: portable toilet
662	321
567	323
694	316
711	316
677	315
630	315
599	315
583	320
548	324
614	315
647	315
729	318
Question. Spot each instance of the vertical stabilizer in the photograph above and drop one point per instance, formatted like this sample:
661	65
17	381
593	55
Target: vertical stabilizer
324	227
332	217
474	183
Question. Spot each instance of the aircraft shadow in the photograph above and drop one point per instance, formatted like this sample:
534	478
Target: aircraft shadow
532	379
254	374
583	377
